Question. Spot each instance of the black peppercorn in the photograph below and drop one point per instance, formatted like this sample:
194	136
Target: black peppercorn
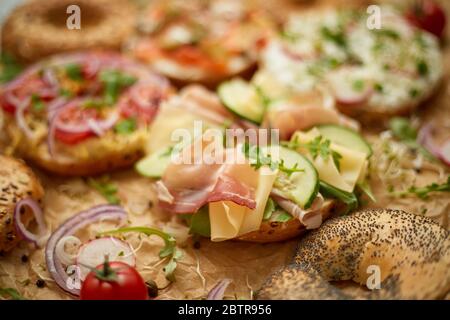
40	283
24	258
197	245
152	288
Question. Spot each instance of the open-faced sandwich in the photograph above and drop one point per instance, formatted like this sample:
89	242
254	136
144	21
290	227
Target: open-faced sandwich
372	71
230	184
82	113
198	41
20	197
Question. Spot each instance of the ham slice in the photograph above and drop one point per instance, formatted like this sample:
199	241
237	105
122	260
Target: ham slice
187	186
311	218
290	117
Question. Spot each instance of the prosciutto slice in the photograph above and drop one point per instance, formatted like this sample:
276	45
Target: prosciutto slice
186	187
310	218
291	117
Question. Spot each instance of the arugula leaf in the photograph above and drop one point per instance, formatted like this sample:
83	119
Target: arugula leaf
113	81
170	249
36	103
199	223
281	216
106	188
348	198
12	293
9	68
365	187
406	133
424	192
126	126
269	209
254	153
73	71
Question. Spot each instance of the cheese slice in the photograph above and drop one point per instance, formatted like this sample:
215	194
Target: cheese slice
353	164
170	118
229	220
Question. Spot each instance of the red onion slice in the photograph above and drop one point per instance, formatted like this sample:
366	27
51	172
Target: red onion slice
69	227
20	117
219	289
425	138
444	153
37	239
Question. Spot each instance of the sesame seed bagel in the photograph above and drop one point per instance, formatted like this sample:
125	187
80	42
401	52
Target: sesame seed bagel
39	28
17	182
411	252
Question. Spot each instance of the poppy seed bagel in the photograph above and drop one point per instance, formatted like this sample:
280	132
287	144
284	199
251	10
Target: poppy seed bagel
411	252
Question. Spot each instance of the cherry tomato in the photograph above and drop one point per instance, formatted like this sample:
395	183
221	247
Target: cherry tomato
125	283
429	16
77	118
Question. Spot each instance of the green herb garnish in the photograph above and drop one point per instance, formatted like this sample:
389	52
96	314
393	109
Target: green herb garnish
170	249
424	192
379	87
126	126
73	71
367	190
317	147
12	293
36	103
358	85
422	68
259	160
199	223
114	81
338	36
9	67
406	133
106	188
65	93
388	33
348	198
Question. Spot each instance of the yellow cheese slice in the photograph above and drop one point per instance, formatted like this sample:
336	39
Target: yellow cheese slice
353	164
170	118
229	220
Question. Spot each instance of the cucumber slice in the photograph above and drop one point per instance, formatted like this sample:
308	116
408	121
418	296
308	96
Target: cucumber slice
242	99
154	165
300	187
345	137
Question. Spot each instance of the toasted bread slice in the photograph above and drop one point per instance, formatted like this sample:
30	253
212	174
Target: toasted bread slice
17	182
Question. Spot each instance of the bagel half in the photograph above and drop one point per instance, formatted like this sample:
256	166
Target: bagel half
282	231
17	182
38	29
411	252
201	42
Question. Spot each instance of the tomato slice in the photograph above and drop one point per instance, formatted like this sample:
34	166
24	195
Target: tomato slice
142	102
191	55
71	126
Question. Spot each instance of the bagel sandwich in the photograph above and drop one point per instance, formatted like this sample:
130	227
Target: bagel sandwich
254	192
201	42
82	113
372	73
17	182
38	29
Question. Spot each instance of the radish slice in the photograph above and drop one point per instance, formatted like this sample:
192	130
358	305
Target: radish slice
350	86
93	254
444	153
